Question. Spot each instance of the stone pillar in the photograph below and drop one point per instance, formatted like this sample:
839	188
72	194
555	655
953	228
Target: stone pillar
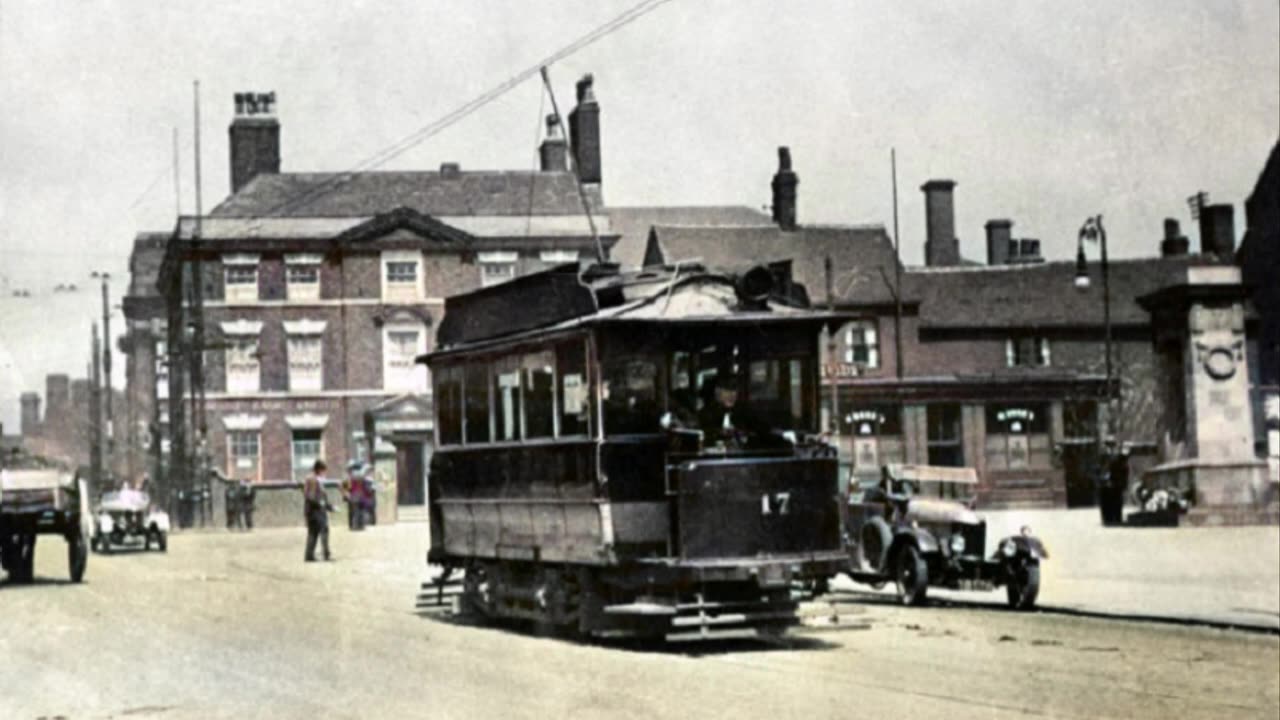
1201	320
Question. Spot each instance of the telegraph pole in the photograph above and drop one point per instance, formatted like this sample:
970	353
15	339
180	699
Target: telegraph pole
95	420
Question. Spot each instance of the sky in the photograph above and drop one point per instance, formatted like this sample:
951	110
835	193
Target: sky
1042	112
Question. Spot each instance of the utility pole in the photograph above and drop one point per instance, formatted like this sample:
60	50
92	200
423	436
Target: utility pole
897	269
106	360
95	420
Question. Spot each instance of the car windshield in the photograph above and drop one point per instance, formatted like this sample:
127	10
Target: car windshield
935	489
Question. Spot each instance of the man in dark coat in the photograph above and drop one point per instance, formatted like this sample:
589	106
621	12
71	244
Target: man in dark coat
232	498
247	496
316	507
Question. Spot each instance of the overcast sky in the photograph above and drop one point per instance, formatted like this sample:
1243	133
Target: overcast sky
1043	112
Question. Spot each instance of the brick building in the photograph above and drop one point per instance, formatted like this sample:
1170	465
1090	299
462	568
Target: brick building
318	290
1259	259
999	366
144	431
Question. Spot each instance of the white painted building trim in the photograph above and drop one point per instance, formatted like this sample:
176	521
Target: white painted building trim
240	259
243	421
241	327
302	394
307	421
303	258
329	302
498	256
304	327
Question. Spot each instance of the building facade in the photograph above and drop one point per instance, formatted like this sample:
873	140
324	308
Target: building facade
295	311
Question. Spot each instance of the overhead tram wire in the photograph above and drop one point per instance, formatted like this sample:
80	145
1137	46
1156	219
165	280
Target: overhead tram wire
435	127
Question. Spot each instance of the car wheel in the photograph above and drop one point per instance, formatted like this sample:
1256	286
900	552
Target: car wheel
1023	585
873	545
911	575
77	557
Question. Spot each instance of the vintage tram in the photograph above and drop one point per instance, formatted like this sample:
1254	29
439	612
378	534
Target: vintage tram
633	454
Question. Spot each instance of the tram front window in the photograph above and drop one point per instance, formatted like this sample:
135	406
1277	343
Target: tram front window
631	396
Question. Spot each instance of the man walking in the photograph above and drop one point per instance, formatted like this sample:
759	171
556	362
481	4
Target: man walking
316	507
247	496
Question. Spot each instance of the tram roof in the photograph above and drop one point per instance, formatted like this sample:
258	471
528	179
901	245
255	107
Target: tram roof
563	298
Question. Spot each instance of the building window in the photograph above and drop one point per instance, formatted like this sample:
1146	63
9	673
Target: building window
162	370
1080	419
308	446
302	280
305	363
497	267
243	457
401	276
242	365
1026	351
877	435
402	344
862	344
240	275
945	437
506	399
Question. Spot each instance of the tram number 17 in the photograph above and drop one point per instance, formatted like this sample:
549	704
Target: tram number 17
775	503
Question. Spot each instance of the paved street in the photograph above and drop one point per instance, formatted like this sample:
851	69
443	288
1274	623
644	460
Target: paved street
238	626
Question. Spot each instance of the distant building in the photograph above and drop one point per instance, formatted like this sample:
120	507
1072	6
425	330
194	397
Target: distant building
319	290
1002	365
1259	259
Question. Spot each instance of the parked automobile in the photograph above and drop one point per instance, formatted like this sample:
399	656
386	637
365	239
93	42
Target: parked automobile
42	501
917	527
127	515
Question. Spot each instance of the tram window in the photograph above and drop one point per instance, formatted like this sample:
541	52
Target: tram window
476	401
777	391
631	396
571	364
538	376
449	402
506	399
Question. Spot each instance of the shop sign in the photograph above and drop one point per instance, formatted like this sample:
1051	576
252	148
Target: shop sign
839	371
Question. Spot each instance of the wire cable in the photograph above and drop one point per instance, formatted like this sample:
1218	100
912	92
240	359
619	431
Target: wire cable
433	128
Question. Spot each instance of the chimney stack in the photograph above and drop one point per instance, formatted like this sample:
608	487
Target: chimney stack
1028	251
1174	242
1218	231
941	247
584	132
551	151
999	234
255	138
30	414
784	191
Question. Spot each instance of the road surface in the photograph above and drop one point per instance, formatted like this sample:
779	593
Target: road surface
236	626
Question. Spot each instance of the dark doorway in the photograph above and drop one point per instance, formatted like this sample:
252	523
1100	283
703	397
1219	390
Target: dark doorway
410	488
1079	465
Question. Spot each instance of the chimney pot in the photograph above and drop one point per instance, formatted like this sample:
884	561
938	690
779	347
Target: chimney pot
1000	248
1174	242
450	170
941	247
784	191
584	133
255	138
551	153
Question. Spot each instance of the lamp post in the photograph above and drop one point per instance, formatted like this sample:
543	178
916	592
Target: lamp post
1093	231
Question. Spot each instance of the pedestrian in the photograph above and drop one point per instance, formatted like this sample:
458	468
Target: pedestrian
232	498
370	497
316	507
352	495
248	493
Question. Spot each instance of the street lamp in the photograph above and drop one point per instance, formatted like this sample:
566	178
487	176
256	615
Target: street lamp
1093	231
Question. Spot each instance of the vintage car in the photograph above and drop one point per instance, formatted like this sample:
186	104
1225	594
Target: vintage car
127	515
35	501
916	527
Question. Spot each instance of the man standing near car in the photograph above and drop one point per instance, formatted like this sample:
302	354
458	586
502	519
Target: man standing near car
316	508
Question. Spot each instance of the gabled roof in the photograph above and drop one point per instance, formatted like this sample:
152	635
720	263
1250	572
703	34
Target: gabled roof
862	257
404	218
431	193
1040	295
633	224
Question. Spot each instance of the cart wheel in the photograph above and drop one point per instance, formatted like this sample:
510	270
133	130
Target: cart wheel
77	557
911	576
1024	584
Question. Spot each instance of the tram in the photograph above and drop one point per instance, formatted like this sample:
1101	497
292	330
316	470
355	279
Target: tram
633	454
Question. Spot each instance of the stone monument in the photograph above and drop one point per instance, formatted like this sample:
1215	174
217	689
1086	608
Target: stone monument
1199	328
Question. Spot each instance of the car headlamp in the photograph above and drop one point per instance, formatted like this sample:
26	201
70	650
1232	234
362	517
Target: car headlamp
105	522
956	543
1008	548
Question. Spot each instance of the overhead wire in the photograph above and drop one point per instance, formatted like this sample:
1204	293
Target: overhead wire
433	128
